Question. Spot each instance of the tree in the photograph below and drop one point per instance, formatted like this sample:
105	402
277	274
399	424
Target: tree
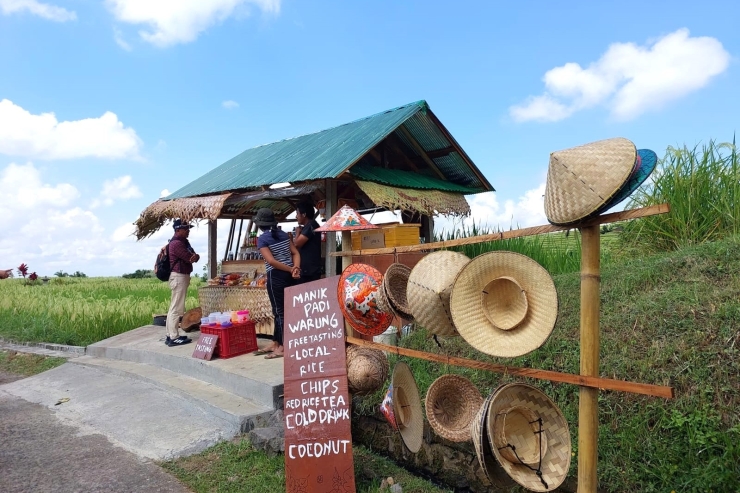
61	273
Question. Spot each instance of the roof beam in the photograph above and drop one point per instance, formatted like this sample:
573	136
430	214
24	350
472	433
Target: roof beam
441	152
393	142
420	150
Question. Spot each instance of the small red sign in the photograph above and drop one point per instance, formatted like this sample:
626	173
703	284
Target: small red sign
205	346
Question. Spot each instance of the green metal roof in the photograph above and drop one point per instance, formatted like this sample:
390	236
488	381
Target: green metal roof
329	153
407	179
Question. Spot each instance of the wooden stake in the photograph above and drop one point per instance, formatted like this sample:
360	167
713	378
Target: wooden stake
588	398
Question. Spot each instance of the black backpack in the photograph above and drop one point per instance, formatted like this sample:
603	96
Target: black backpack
162	267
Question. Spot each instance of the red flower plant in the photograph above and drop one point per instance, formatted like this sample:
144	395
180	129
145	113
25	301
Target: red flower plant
23	270
33	276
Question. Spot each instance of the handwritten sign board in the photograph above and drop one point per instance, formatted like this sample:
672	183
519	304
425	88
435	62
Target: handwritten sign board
318	438
205	346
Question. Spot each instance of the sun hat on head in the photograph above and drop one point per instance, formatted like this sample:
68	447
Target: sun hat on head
429	287
264	217
451	404
402	407
180	224
367	369
504	304
529	437
644	166
582	179
479	432
395	282
357	293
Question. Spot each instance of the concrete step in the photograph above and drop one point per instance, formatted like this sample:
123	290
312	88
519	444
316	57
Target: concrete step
248	376
241	413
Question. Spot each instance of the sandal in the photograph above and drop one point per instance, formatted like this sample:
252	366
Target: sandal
274	356
260	352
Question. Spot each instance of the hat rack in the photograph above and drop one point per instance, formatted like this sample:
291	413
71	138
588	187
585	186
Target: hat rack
588	379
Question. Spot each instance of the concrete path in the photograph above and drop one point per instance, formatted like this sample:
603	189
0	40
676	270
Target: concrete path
39	454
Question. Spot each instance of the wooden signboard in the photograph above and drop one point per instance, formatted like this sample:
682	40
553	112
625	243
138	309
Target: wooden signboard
318	437
205	346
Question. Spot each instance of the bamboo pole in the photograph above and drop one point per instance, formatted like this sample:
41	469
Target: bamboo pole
653	210
552	376
588	398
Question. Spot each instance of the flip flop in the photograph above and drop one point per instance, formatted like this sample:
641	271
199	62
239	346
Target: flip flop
260	352
273	356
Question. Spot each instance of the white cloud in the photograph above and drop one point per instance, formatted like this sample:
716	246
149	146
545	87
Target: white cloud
21	188
121	188
181	21
628	79
45	10
118	38
230	105
44	137
164	193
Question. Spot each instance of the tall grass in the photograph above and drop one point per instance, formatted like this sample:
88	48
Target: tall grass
81	311
702	187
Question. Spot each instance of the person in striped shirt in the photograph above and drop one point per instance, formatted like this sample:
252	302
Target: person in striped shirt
283	266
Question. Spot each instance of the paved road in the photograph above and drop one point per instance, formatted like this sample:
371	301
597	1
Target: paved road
40	454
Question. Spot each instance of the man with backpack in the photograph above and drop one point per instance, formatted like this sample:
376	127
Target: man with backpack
182	257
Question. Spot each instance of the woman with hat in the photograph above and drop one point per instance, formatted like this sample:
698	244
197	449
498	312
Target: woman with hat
282	265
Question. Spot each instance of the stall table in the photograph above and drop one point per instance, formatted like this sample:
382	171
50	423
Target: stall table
228	298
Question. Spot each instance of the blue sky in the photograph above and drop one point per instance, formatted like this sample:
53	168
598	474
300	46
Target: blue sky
105	104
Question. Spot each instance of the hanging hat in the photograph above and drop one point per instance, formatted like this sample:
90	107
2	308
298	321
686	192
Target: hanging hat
367	369
346	219
504	304
479	432
382	300
451	404
395	281
386	408
529	434
429	287
644	166
357	294
406	407
582	179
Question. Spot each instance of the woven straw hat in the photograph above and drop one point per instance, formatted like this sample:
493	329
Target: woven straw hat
382	300
644	166
522	421
504	304
407	407
396	282
367	369
582	179
479	432
451	404
429	287
357	292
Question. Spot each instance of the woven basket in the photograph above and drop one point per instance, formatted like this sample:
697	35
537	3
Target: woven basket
396	283
429	287
479	432
556	455
228	298
451	404
367	370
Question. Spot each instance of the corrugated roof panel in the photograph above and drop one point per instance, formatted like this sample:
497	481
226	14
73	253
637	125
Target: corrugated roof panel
324	154
407	179
454	167
426	132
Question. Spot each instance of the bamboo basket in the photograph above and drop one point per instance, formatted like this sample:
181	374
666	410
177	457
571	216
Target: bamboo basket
228	298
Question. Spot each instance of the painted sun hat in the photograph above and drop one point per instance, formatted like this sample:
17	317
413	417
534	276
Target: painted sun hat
429	287
582	179
504	304
451	404
367	369
402	407
346	219
357	293
528	433
644	166
487	461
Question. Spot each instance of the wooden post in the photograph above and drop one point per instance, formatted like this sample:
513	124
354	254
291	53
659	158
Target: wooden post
212	254
346	247
330	192
588	398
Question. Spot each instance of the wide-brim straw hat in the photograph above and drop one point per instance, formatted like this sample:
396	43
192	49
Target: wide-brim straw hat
521	421
504	304
582	179
191	319
451	404
357	294
479	433
396	281
644	166
407	409
429	287
382	300
367	369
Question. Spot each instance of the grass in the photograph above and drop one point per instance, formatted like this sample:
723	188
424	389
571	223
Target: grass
236	467
27	364
670	319
81	311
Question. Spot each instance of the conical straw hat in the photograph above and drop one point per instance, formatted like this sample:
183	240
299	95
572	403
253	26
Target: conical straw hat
367	369
407	409
522	421
429	287
396	281
582	179
504	304
479	432
451	404
346	219
357	293
644	166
